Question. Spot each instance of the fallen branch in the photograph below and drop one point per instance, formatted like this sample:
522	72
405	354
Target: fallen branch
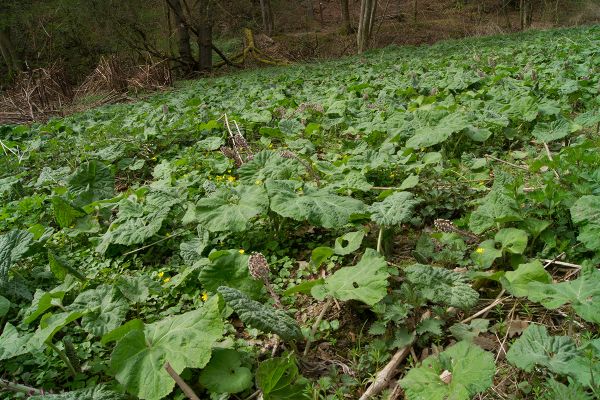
494	303
181	383
17	387
562	263
383	377
507	163
316	324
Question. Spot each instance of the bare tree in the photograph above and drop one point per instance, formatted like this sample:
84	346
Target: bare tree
365	23
183	36
267	16
347	27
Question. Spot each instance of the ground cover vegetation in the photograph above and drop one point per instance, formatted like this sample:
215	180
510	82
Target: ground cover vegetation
412	221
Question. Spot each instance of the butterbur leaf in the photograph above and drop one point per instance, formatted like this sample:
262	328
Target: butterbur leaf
485	254
496	206
555	390
100	392
348	243
61	267
4	306
442	286
184	341
92	181
42	301
395	209
319	207
230	209
50	324
229	267
469	332
366	281
586	212
583	294
430	136
12	344
117	334
512	240
64	212
225	373
550	131
259	316
278	378
137	289
268	165
536	348
13	245
471	369
319	255
104	307
517	282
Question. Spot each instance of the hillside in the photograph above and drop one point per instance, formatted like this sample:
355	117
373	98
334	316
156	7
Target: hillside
414	222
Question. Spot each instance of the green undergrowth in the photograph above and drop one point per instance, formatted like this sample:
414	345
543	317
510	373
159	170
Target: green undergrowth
283	232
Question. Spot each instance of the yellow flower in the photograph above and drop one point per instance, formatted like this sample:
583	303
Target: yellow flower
241	251
204	296
270	145
219	178
258	182
480	250
231	178
166	280
160	274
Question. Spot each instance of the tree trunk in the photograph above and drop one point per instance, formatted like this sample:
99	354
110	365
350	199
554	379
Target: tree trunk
205	35
347	27
8	52
415	10
365	24
267	16
183	36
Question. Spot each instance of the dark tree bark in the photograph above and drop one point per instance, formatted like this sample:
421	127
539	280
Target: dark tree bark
183	36
365	24
347	27
8	53
267	16
204	29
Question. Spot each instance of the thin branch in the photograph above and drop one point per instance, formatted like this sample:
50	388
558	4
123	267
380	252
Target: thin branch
384	376
17	387
153	243
181	383
562	263
507	163
494	303
317	323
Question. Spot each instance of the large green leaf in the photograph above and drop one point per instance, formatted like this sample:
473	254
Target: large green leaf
558	129
432	135
268	164
225	373
583	294
348	243
105	309
12	344
470	369
184	341
512	240
50	324
586	212
229	267
395	209
536	348
64	212
441	285
91	182
517	282
100	392
366	281
13	245
259	316
317	206
496	207
279	379
229	209
138	221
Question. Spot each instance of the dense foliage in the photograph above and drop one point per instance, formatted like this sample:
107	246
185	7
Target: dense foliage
129	233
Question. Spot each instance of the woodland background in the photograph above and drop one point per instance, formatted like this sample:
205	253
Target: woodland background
60	56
